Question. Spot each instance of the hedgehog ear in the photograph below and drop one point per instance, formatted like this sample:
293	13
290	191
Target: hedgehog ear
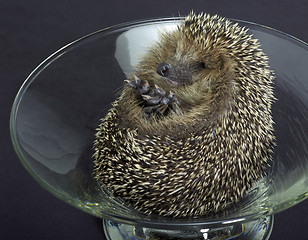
202	65
226	64
210	62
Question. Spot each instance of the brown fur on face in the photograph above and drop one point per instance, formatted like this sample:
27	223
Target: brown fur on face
209	154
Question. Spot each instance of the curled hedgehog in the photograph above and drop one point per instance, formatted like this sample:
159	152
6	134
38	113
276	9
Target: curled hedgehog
192	130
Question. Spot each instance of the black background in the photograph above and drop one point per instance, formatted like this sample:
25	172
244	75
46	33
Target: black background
30	30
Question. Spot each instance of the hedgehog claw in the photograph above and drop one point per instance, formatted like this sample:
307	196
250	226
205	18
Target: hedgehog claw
165	100
161	92
145	88
138	82
152	100
132	84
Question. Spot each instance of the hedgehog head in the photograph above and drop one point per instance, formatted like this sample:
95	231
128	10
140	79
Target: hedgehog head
199	59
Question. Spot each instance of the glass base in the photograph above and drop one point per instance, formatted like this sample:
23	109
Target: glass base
255	230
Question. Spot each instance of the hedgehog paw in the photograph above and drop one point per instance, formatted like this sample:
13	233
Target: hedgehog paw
160	102
156	101
140	87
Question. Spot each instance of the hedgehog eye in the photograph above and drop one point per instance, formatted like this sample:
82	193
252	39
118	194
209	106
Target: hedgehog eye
163	69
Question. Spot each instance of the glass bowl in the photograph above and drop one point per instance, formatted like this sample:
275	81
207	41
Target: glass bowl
59	105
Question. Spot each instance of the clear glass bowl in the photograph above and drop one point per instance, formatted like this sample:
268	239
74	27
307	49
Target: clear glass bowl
58	107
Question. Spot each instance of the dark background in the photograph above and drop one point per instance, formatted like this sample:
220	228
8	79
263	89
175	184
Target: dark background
30	30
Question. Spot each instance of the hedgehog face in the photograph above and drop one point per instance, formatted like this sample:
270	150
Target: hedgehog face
183	57
179	74
178	63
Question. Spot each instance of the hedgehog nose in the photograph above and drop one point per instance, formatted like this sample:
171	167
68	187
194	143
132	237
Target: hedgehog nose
163	69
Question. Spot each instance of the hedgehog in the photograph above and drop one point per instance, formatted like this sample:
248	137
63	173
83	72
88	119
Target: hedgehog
192	129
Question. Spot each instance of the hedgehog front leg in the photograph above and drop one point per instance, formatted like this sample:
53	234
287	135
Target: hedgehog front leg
156	100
